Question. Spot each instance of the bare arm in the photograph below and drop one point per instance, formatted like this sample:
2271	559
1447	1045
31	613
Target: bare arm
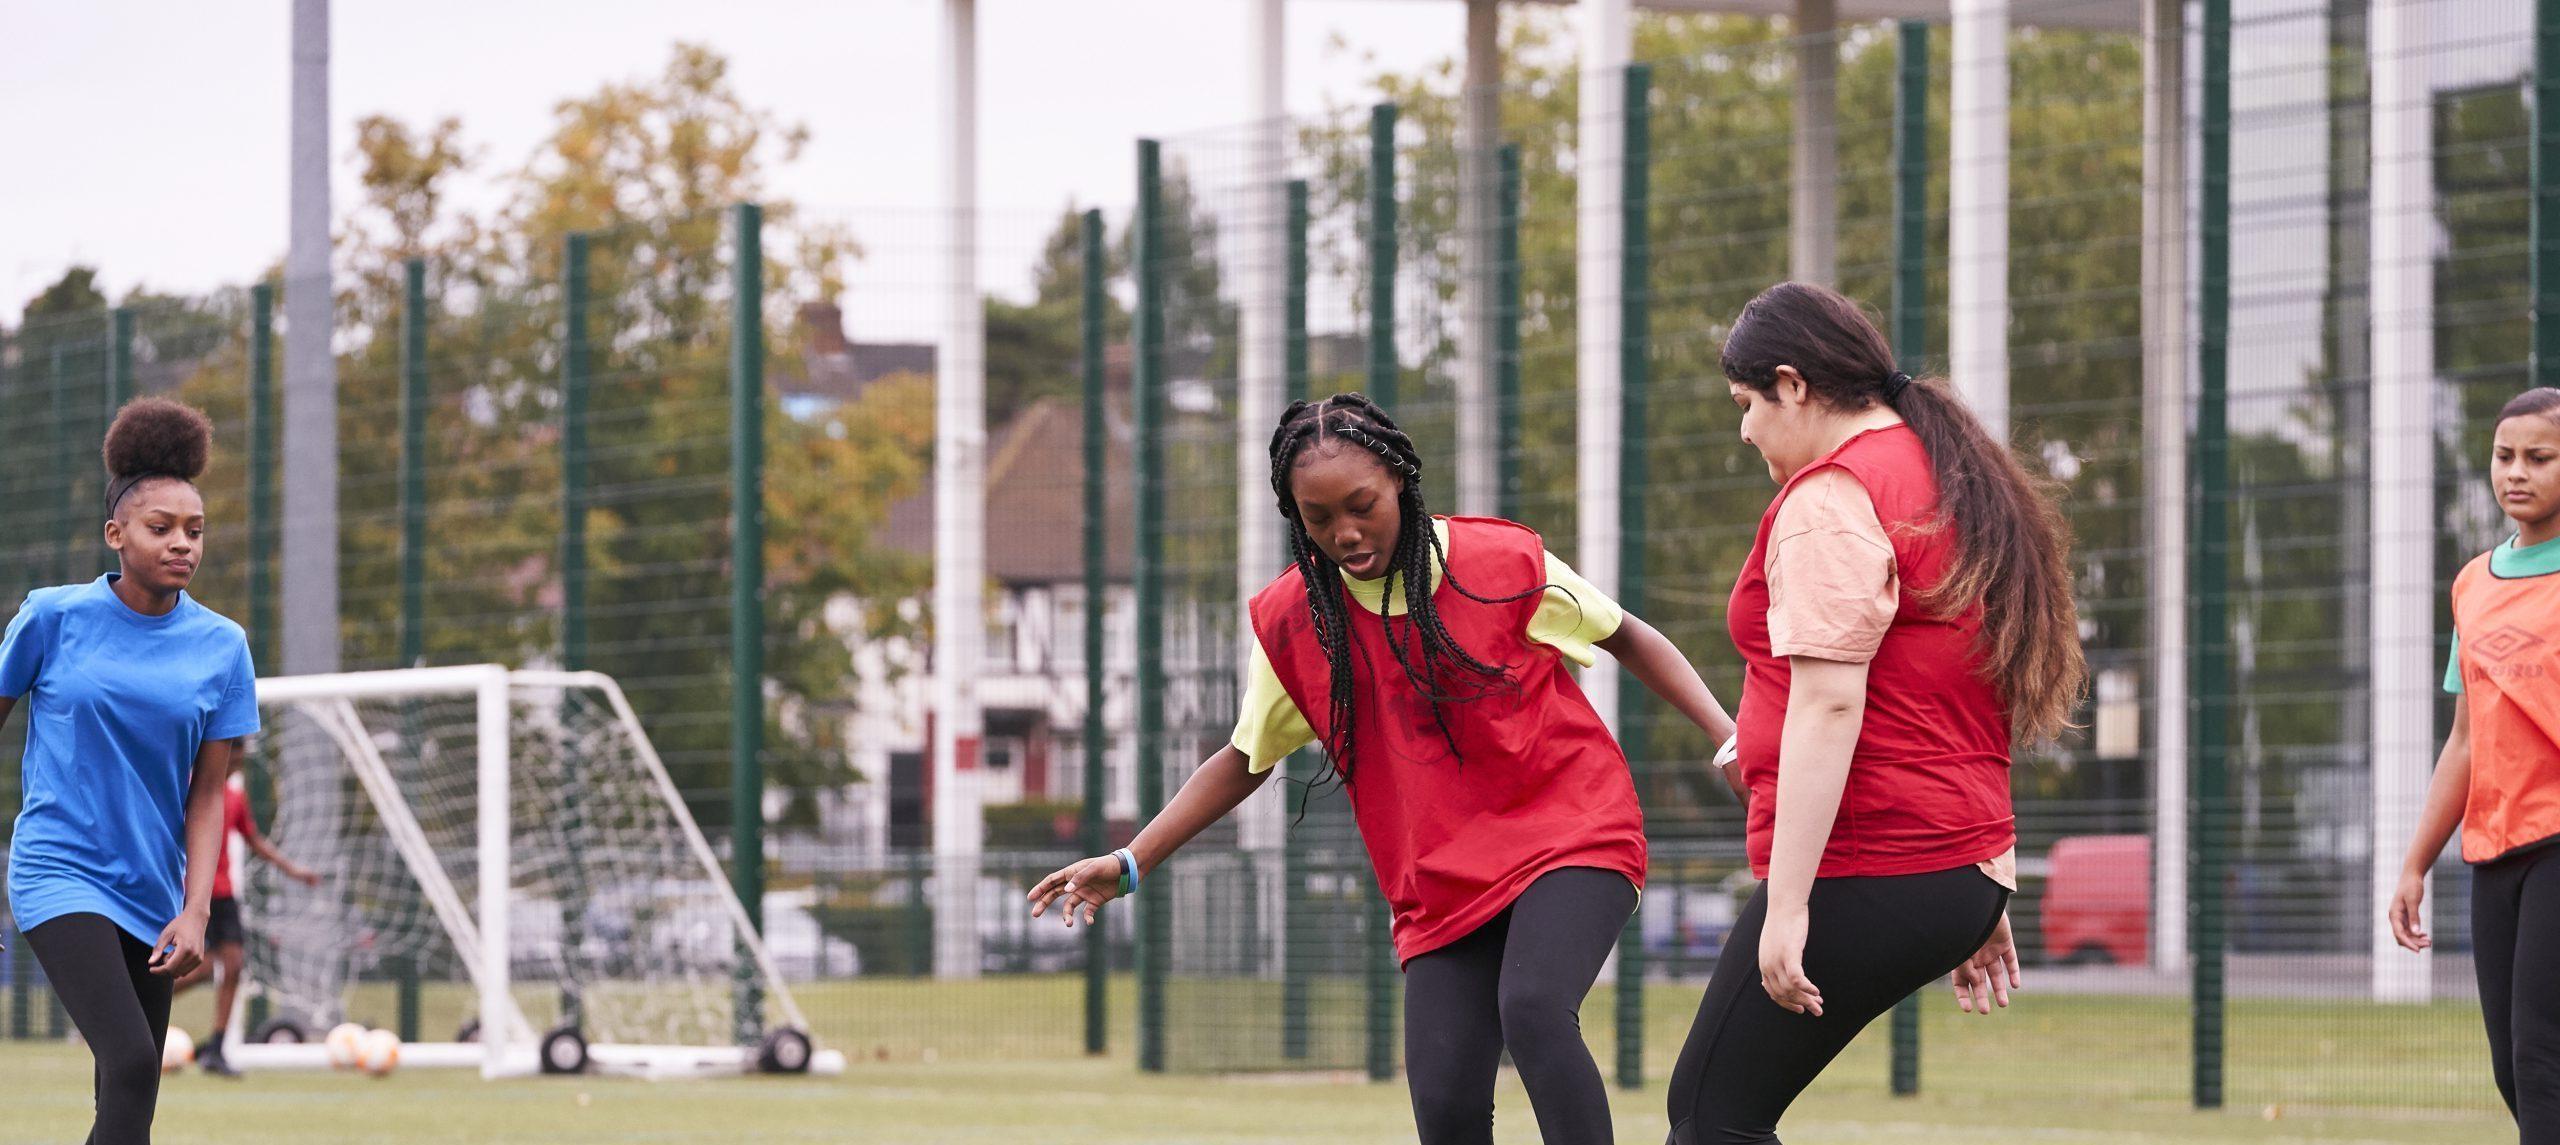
1655	662
181	944
1826	705
262	848
2446	793
1222	782
1658	664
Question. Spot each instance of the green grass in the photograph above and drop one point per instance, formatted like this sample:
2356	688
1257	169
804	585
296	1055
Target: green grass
999	1060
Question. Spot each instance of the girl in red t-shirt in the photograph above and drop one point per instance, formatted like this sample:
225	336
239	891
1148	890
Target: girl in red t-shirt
1428	655
1906	611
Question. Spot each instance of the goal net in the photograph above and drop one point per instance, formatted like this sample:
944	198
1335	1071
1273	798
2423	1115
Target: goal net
504	860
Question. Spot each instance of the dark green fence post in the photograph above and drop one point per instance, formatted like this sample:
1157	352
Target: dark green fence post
119	377
2209	643
576	372
1910	337
575	379
58	376
22	993
1097	589
1154	906
919	917
746	599
1382	378
1382	256
413	464
1634	345
1506	337
413	538
2545	208
119	359
1296	960
262	488
262	533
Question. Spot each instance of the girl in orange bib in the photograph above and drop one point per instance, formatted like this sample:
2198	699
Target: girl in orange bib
2499	775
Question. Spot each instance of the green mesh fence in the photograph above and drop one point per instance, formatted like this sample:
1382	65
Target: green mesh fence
1268	927
2302	1028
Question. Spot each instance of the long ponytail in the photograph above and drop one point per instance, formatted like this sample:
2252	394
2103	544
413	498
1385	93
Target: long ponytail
2011	543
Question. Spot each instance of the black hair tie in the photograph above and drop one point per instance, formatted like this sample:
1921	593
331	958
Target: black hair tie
1894	384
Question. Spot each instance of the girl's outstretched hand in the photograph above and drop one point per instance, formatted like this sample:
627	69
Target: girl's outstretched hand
1085	883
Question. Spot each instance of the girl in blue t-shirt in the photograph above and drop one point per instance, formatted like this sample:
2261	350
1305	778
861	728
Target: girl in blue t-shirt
137	701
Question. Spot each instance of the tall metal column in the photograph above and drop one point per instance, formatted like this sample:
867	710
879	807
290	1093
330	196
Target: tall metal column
2402	468
1978	211
310	524
1478	463
1813	223
959	508
2167	358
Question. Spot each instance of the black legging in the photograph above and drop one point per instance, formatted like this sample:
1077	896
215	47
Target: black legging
104	979
1516	982
1870	942
2515	943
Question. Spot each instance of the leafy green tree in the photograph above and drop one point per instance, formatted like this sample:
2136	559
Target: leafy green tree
647	169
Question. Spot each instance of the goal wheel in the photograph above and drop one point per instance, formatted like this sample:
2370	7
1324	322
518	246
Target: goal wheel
785	1050
280	1031
469	1033
564	1050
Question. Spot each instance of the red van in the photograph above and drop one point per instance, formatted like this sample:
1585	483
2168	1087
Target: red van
2097	900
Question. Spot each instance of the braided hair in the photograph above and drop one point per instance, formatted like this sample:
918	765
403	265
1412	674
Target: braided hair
1431	658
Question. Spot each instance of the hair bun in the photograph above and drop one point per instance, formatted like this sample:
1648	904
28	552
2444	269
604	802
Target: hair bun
154	436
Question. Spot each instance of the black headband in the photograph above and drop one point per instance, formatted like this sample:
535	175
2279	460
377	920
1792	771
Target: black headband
117	488
1894	384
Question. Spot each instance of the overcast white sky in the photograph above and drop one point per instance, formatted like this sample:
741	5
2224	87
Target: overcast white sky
148	137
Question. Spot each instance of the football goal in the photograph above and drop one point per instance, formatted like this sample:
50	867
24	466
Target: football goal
508	870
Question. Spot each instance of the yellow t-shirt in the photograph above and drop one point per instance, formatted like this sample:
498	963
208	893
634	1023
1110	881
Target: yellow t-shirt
1572	618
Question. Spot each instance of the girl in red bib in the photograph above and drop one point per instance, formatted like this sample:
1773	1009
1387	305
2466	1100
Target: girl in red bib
1430	655
2498	778
1905	613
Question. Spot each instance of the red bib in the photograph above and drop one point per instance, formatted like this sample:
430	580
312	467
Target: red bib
1542	784
1928	784
235	818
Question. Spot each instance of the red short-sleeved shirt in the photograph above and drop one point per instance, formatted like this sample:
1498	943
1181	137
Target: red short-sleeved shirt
1928	784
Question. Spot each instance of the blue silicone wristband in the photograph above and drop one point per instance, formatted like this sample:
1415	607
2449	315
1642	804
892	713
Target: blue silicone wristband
1128	870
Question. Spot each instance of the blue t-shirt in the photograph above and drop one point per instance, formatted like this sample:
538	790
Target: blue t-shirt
116	704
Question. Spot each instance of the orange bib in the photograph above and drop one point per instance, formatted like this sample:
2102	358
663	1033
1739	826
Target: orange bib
2510	629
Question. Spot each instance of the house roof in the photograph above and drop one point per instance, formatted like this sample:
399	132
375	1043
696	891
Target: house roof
1035	497
835	367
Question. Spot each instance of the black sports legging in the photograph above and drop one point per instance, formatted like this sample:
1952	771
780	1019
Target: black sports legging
104	979
1870	942
1516	982
2515	943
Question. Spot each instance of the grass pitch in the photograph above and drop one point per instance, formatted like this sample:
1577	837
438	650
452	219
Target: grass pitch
999	1061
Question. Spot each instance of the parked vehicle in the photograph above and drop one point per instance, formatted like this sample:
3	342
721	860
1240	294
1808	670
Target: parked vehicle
2097	900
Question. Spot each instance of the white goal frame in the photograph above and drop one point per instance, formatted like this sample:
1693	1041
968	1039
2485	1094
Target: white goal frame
508	1045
